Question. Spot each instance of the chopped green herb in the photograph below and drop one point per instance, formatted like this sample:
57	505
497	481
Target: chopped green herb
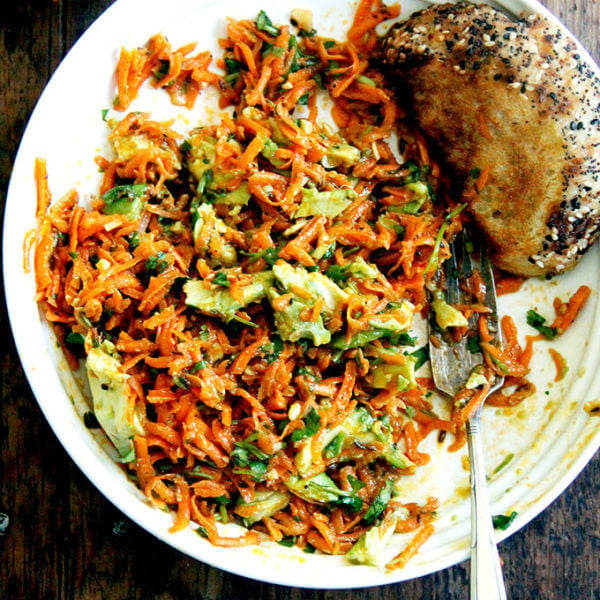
244	455
246	448
288	541
538	322
336	272
380	503
355	483
272	49
234	66
221	279
257	470
273	349
263	23
197	471
303	100
157	262
134	240
201	531
312	422
352	504
473	344
335	446
162	70
503	522
422	356
75	339
269	255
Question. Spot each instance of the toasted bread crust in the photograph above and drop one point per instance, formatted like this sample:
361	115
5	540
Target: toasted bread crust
517	99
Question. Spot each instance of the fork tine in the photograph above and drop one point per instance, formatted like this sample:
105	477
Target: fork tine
487	272
453	361
451	271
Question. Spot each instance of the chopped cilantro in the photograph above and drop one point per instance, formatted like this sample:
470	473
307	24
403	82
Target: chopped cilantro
157	262
272	349
220	278
312	422
380	502
473	344
422	356
503	522
269	255
336	272
288	541
257	470
263	23
75	338
134	240
335	446
538	322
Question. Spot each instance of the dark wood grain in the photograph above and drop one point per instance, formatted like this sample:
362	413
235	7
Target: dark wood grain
64	541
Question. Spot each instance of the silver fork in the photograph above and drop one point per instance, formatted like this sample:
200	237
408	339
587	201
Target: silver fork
452	365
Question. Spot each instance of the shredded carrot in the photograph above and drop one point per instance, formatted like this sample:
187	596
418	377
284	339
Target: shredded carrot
560	363
566	313
412	548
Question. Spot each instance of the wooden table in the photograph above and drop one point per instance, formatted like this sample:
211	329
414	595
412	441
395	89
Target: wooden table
66	541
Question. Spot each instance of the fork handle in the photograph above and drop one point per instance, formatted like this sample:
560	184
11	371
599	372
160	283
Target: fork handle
486	579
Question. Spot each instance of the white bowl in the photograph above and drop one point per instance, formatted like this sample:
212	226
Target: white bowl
551	436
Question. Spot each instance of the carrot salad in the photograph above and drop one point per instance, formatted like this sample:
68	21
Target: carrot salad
242	297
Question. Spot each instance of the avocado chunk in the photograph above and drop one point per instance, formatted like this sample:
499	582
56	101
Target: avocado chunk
384	325
112	397
217	301
370	547
288	320
128	200
265	504
202	156
320	488
209	237
341	155
445	314
201	161
328	203
360	429
394	376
